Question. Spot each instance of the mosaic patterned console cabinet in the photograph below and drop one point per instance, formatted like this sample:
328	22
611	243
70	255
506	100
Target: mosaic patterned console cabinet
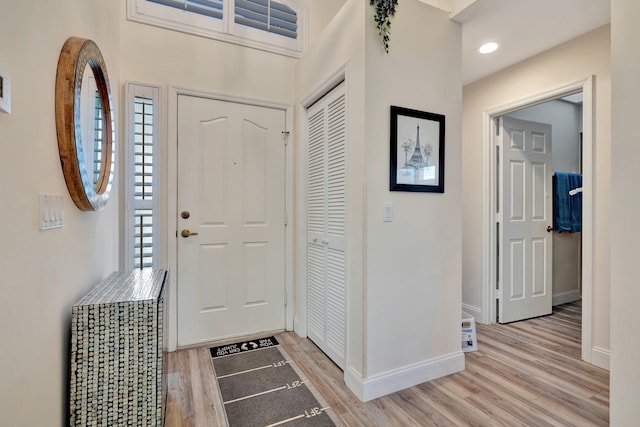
117	355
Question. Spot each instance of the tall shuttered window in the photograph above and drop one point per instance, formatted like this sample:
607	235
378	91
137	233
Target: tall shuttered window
143	159
273	25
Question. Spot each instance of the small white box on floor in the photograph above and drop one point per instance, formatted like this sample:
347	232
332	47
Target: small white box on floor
469	340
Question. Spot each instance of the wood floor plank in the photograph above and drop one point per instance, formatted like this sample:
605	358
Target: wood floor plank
524	374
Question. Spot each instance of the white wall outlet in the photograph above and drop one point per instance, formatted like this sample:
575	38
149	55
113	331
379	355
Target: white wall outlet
51	211
388	212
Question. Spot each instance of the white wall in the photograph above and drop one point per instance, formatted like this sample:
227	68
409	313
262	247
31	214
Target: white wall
565	119
625	205
341	47
413	263
321	12
403	322
166	58
45	272
570	62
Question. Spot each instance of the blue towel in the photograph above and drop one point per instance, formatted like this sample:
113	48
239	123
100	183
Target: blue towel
567	208
575	201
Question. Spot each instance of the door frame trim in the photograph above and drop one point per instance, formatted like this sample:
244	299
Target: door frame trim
489	199
172	199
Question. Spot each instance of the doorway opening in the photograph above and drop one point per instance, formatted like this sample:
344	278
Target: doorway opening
539	261
492	214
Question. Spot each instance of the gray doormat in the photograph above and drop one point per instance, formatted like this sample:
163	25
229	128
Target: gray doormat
264	388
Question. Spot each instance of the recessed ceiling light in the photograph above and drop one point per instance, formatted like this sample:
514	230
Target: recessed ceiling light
488	48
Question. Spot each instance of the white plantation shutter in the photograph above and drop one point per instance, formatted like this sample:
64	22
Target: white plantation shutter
211	8
143	159
272	25
326	222
143	238
267	15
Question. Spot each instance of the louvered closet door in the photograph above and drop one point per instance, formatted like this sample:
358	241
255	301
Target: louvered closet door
326	247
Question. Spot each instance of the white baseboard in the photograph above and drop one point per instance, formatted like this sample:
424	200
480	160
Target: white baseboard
398	379
566	297
299	327
353	380
600	357
476	312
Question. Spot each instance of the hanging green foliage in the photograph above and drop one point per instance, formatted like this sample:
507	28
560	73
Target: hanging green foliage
384	10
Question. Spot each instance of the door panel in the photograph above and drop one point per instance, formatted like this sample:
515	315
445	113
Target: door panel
539	266
526	258
212	169
326	222
517	186
231	180
213	277
538	199
516	265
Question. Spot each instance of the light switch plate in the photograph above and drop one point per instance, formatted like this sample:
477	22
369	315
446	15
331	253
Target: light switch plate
51	211
388	212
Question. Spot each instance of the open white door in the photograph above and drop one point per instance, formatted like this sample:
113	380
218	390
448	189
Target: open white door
525	245
231	220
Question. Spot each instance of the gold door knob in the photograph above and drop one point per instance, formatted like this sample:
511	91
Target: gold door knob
187	233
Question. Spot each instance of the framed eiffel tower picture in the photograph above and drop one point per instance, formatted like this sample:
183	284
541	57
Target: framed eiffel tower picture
417	151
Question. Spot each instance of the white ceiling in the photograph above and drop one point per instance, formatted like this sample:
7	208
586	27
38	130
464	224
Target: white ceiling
522	27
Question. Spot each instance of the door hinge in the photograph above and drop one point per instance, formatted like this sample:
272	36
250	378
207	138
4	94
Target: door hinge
286	299
286	219
286	134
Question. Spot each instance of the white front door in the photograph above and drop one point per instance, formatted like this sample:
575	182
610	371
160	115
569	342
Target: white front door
231	192
525	245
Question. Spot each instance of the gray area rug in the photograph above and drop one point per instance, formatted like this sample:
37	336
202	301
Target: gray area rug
263	387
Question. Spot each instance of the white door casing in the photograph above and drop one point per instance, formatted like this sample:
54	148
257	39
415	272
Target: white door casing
231	181
525	248
326	224
487	312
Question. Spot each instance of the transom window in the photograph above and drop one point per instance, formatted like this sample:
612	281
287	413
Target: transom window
212	8
273	25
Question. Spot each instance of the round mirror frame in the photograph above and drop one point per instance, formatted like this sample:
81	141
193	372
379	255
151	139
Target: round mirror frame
74	57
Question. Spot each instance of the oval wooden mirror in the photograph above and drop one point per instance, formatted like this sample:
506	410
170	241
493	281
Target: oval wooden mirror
83	114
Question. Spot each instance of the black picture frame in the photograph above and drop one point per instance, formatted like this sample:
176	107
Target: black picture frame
414	169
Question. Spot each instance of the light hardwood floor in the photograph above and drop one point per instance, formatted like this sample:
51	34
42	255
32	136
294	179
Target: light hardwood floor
523	374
